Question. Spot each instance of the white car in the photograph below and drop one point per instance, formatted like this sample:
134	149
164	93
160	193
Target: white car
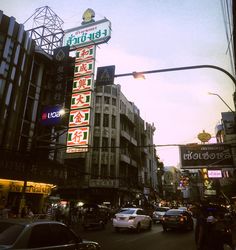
132	218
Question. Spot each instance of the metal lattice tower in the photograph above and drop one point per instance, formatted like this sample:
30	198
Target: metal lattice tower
47	29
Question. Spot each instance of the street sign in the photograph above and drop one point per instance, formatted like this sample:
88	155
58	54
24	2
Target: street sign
105	75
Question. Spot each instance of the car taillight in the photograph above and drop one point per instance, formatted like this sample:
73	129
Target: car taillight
182	218
132	217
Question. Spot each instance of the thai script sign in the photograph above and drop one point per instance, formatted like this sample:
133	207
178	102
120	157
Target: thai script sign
51	115
211	155
93	33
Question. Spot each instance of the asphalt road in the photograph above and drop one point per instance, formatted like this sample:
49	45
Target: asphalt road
155	239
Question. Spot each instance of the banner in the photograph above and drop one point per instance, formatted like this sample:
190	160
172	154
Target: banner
206	155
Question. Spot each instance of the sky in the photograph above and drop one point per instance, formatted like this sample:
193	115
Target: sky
158	34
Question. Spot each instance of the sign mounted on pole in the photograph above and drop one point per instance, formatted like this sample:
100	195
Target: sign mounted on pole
87	34
105	75
206	155
83	41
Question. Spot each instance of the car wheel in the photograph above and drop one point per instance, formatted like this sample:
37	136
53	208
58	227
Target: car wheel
138	228
150	225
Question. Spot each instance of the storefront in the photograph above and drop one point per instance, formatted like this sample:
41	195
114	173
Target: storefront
15	194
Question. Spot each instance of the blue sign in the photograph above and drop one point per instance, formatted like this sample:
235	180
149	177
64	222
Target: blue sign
51	116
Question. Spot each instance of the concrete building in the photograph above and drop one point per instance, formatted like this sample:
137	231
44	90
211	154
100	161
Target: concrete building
121	163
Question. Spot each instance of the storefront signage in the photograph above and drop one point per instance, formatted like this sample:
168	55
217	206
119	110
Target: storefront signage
77	139
79	117
92	33
206	155
214	173
51	115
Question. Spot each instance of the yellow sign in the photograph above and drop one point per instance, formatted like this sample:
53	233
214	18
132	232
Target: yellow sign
204	137
88	16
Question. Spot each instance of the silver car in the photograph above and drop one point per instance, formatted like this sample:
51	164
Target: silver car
132	218
158	214
40	234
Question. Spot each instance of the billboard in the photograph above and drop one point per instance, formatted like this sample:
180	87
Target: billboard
51	115
83	40
91	33
210	155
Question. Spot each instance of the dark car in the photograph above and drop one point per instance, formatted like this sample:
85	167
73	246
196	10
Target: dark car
95	216
177	219
28	234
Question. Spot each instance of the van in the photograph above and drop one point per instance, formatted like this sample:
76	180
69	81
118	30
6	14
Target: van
94	216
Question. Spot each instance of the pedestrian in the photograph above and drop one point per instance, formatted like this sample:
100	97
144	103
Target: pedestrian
201	228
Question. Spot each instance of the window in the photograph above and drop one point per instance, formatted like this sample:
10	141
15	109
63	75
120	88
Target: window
114	91
97	119
112	171
98	99
113	121
107	89
94	171
45	235
105	120
104	144
104	172
113	144
96	143
106	100
40	236
113	101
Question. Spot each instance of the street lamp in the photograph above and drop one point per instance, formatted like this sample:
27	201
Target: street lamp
141	74
209	93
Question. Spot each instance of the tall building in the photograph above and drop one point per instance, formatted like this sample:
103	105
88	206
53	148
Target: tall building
121	161
120	165
26	72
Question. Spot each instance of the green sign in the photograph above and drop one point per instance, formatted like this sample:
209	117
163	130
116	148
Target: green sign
92	33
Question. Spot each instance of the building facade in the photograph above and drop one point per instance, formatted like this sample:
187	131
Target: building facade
120	165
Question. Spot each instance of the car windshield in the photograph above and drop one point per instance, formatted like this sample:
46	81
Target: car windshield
127	211
9	232
162	209
173	212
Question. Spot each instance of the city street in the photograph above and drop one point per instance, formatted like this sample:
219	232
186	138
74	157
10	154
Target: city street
149	240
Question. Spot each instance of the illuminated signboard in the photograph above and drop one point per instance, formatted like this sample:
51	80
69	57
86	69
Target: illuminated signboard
92	33
77	139
79	117
82	83
51	116
210	155
83	40
214	173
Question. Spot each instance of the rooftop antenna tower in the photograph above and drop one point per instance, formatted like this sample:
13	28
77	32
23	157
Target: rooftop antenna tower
47	29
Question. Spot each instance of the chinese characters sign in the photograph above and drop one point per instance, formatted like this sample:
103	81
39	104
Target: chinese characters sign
93	33
80	109
83	41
